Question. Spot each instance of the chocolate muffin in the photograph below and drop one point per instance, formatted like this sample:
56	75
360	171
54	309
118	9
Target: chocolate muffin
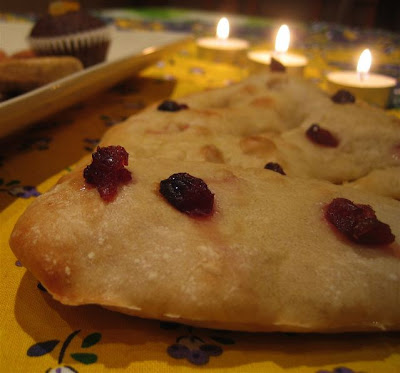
69	30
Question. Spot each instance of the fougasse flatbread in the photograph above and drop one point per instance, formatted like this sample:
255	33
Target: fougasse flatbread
269	118
189	231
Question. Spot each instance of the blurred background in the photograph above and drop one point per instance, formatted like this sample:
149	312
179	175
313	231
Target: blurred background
384	14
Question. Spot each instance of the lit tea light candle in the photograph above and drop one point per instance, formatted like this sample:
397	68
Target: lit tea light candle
222	48
372	88
294	63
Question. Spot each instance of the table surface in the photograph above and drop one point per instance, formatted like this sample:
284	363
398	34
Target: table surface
38	330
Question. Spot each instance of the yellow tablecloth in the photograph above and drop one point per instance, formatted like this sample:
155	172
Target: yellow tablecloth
38	334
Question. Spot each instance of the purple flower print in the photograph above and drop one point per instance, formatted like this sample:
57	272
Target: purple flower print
193	348
26	191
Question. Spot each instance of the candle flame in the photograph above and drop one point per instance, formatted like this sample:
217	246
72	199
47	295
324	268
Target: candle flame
223	29
364	62
282	39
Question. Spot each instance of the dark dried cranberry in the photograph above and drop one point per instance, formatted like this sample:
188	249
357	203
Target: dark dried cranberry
343	97
276	66
107	171
321	136
188	194
358	222
274	167
169	105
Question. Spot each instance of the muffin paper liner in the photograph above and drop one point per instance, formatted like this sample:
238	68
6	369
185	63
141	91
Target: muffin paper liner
69	43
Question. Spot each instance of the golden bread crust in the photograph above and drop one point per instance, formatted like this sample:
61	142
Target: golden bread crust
265	260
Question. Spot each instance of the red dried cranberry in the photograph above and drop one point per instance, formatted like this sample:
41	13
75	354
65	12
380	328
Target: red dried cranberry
107	171
321	136
188	194
277	66
343	97
274	167
358	222
169	105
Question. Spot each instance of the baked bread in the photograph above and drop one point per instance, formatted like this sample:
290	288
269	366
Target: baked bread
196	144
367	140
385	182
195	230
18	75
266	119
265	260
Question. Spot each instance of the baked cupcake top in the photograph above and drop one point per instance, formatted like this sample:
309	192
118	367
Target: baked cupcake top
64	18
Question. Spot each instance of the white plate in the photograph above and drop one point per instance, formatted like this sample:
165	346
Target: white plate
130	51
